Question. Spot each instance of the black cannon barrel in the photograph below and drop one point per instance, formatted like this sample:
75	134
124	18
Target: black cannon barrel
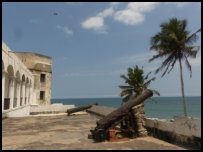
117	114
69	111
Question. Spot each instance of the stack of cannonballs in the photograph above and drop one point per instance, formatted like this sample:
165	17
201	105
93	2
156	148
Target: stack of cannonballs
139	119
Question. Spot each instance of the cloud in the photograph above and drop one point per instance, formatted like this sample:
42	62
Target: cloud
95	23
66	30
177	4
133	13
107	12
129	17
142	7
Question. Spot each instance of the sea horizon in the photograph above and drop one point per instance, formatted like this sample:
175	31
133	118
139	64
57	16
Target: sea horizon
164	108
116	97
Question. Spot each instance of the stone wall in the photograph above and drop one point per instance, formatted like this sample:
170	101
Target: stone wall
39	64
23	111
140	121
180	130
28	110
50	109
35	61
42	86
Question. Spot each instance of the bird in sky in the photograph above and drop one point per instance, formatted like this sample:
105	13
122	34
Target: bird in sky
55	13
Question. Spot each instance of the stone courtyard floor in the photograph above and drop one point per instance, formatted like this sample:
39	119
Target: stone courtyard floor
66	133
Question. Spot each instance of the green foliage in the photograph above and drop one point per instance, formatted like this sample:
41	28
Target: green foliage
137	83
173	43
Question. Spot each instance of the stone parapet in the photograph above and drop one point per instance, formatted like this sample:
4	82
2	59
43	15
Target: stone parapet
181	130
23	111
50	109
180	125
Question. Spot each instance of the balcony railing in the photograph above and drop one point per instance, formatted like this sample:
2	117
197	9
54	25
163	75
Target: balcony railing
14	102
6	103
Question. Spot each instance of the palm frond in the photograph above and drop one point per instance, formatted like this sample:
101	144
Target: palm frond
166	68
166	62
149	81
173	36
126	99
191	51
146	77
155	39
154	57
125	78
156	92
188	66
193	38
125	87
172	65
126	92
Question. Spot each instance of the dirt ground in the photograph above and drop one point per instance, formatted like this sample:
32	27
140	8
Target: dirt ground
63	132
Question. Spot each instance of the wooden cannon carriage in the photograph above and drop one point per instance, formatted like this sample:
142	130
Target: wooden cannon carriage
121	120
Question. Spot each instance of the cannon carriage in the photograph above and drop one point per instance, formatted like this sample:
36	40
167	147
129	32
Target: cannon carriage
120	120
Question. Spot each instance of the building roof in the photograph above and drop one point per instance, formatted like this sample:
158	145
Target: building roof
37	54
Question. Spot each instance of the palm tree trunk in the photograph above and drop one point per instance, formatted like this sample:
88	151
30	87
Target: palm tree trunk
182	87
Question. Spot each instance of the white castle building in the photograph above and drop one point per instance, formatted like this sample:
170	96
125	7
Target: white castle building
26	80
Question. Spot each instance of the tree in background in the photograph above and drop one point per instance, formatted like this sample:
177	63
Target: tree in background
137	83
174	44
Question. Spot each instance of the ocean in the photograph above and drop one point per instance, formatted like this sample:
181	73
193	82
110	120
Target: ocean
165	108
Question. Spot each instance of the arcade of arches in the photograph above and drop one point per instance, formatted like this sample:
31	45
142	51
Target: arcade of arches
17	87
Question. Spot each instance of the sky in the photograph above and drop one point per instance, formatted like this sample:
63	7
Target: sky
93	43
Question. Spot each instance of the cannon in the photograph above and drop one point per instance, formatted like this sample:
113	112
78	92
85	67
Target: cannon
121	116
69	111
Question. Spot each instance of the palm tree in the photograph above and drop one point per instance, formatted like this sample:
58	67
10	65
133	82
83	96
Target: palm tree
174	43
137	83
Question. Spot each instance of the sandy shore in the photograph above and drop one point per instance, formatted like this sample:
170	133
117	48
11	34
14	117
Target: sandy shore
61	132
